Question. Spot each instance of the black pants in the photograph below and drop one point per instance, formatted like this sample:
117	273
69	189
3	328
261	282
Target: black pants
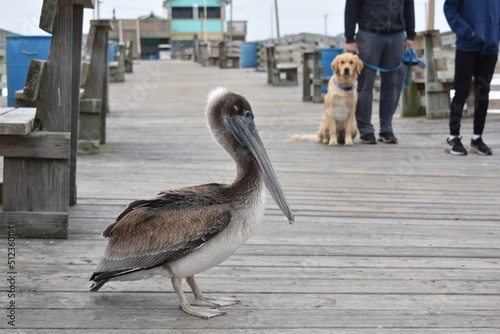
481	67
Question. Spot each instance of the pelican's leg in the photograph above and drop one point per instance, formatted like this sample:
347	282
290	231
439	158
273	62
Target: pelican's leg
201	300
193	310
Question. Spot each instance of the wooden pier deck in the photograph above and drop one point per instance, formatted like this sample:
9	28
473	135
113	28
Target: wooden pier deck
388	238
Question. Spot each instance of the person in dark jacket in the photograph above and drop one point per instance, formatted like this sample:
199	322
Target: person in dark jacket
476	25
386	28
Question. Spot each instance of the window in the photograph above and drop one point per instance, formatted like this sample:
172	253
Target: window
212	12
187	12
182	12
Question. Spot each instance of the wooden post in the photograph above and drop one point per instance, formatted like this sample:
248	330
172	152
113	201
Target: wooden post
93	105
117	69
129	58
75	97
437	98
306	76
277	19
317	69
222	55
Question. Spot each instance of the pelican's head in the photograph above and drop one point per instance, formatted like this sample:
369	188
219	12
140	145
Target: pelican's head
231	120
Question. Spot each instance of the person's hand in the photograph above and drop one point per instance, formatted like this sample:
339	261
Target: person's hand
408	43
351	47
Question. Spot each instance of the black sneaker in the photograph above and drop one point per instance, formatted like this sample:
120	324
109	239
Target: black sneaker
455	146
477	146
368	138
387	137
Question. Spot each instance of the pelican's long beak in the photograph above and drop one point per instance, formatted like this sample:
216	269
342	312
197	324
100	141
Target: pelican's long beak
245	130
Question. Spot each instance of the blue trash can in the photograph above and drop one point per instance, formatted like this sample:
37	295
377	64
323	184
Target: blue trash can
249	55
111	52
19	51
327	56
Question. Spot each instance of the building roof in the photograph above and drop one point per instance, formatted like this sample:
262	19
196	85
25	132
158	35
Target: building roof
151	16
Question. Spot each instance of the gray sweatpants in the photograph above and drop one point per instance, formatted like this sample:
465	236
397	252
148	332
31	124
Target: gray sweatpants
384	51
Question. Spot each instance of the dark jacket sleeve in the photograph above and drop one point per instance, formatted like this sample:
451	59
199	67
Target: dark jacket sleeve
350	19
409	14
457	24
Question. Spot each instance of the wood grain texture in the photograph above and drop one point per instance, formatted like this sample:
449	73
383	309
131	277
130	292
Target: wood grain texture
18	121
38	144
35	224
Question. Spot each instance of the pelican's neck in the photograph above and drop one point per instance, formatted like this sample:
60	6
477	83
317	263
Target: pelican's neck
248	173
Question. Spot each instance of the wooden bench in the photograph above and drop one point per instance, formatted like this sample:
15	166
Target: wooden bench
311	77
39	181
280	74
202	53
94	104
429	90
228	55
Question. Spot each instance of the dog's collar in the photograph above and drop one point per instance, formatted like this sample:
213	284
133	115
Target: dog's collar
342	87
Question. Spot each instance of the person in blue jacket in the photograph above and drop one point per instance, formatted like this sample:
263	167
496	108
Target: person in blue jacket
476	25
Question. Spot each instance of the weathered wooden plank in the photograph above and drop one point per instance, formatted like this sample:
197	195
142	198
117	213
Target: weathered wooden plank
91	105
55	98
30	184
4	110
38	144
269	331
296	301
84	3
18	121
234	274
258	245
35	224
33	79
260	319
48	16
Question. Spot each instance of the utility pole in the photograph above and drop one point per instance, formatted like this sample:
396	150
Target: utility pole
277	18
326	30
98	4
205	21
430	15
231	18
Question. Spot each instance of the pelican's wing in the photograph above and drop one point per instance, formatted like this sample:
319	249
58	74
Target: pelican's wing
150	233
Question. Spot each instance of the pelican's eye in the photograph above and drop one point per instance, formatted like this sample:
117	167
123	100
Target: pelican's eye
248	114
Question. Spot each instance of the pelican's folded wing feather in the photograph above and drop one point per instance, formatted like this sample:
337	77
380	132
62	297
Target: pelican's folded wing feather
150	233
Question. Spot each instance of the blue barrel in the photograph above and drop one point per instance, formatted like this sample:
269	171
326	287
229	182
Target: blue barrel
19	51
249	55
111	52
327	56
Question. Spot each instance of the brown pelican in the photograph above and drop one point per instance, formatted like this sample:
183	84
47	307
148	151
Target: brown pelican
183	232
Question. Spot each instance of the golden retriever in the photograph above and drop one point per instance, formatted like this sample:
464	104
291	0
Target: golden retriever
339	123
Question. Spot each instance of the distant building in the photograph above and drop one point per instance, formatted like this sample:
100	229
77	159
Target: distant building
146	33
202	18
186	21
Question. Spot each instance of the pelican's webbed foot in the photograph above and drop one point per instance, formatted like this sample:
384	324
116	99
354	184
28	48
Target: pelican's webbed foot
188	308
201	300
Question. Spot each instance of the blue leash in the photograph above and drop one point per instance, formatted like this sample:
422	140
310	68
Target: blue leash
380	69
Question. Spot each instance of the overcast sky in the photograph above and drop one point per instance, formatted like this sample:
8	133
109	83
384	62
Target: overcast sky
295	16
